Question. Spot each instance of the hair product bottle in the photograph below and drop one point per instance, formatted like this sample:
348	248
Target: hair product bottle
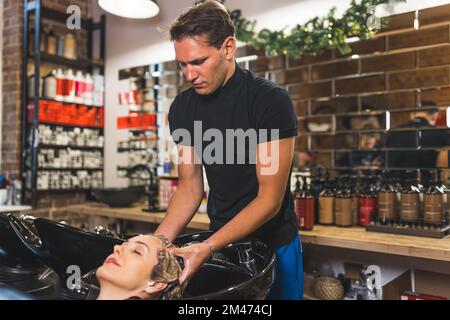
344	204
433	200
387	200
410	198
52	43
367	201
326	203
306	218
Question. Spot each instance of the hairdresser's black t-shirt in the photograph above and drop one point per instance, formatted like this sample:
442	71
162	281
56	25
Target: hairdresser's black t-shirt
244	102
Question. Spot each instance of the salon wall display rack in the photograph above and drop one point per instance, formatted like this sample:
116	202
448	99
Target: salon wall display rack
33	15
141	101
152	90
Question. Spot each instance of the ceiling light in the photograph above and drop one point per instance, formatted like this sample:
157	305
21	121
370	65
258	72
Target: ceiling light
133	9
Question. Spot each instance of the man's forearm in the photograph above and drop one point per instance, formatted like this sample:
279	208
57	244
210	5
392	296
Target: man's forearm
182	207
258	212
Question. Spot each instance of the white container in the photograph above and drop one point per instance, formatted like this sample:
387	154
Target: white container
50	85
88	94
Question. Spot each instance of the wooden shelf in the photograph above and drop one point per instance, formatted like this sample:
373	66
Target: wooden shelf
348	238
359	239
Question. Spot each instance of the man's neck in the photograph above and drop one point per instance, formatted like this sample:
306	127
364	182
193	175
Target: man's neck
230	73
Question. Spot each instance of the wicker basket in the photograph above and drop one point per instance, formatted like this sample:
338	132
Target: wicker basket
326	288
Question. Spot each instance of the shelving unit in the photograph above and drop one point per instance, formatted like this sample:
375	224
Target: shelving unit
141	77
30	145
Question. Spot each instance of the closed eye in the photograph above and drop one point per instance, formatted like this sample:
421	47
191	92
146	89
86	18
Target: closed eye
196	62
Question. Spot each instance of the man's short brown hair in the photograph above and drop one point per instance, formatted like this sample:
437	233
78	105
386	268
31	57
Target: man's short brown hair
209	18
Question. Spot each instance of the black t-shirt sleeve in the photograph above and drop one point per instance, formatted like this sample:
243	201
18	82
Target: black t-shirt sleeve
275	111
179	125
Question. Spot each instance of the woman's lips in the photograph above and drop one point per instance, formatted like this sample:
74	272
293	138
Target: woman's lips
112	261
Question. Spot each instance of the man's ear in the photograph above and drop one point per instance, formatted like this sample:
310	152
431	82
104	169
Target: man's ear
155	287
230	46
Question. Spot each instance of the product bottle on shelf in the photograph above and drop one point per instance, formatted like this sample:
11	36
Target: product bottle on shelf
305	201
326	203
308	223
31	86
50	85
80	87
98	99
88	94
410	198
60	85
297	195
60	46
367	201
52	43
433	201
167	161
387	199
70	48
70	87
343	204
354	185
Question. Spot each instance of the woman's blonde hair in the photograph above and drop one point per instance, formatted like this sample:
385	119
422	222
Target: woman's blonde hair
167	271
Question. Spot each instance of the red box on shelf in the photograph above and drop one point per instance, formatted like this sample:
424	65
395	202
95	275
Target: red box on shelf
43	111
101	117
122	122
134	122
148	120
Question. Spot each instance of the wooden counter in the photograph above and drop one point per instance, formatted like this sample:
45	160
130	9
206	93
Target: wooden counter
200	221
348	238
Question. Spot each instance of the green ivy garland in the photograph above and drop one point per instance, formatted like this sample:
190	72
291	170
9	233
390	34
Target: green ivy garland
315	35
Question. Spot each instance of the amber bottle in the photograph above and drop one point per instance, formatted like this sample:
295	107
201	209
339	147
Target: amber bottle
326	203
343	204
410	198
387	200
433	201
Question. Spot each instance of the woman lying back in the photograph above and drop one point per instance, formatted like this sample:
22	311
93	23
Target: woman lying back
140	268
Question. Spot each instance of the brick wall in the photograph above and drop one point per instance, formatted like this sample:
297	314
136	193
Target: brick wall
11	86
394	71
11	73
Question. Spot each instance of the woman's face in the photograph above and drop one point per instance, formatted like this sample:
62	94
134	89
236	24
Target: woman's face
130	266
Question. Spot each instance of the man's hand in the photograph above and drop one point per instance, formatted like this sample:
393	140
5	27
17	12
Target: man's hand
194	256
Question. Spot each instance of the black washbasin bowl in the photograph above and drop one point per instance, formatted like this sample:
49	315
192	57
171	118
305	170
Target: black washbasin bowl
119	197
241	271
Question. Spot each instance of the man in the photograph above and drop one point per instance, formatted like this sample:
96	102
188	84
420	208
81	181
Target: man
249	182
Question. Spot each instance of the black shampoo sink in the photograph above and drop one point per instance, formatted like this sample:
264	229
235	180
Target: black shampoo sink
244	270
